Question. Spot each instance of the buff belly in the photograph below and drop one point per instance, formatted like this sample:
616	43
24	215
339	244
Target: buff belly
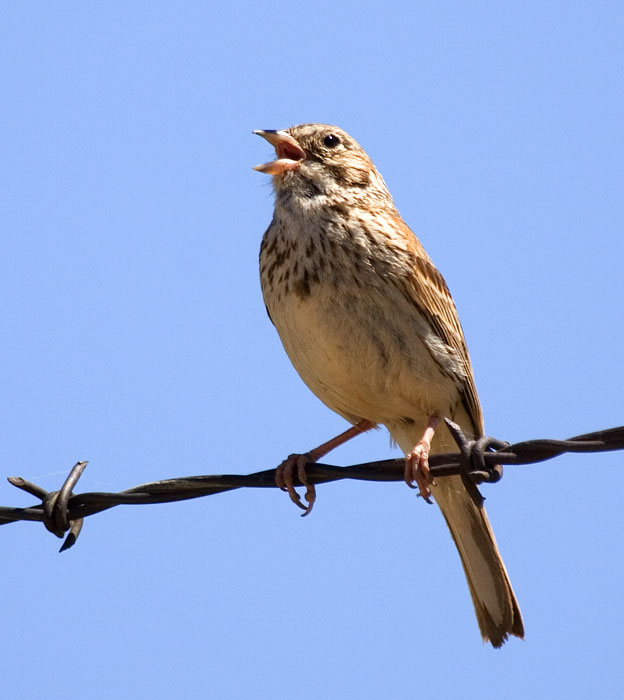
362	357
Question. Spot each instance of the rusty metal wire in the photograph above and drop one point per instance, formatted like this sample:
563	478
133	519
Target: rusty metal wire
477	461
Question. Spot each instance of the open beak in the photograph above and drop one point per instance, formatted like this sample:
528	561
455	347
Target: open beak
289	152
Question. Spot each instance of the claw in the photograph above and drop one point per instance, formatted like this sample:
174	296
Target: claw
310	494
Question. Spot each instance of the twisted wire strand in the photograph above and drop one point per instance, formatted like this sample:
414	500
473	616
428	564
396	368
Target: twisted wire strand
477	461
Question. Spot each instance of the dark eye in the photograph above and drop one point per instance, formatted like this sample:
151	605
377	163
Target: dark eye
331	141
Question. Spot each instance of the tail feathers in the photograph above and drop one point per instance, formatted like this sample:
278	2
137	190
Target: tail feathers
496	607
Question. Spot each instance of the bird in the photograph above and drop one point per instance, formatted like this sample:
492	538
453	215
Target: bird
370	326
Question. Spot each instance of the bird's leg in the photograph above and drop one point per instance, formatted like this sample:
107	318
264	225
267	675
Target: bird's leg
417	462
284	473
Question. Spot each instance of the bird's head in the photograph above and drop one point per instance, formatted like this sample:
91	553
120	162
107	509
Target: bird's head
320	159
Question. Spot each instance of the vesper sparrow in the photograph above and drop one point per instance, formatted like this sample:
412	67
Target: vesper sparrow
368	322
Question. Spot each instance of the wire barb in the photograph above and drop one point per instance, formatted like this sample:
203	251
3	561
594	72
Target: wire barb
478	461
54	505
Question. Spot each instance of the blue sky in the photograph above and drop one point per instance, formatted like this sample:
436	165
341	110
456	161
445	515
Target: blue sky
134	336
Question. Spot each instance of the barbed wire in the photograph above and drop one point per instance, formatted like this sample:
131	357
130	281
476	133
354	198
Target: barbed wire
478	461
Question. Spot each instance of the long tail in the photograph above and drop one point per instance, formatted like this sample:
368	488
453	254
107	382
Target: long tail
496	607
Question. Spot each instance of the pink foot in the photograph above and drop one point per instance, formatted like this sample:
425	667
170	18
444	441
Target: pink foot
417	470
284	480
284	473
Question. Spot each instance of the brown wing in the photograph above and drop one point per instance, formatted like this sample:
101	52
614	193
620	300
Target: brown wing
429	292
